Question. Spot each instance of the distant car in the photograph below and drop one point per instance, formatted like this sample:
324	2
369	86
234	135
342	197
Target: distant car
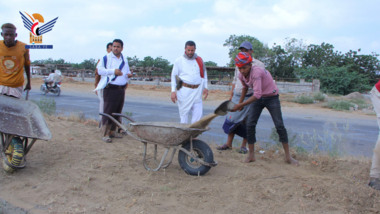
133	78
213	82
148	79
165	80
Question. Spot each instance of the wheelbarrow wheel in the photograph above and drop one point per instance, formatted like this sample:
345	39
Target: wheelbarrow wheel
14	154
202	151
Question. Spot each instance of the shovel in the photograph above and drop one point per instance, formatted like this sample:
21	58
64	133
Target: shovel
221	110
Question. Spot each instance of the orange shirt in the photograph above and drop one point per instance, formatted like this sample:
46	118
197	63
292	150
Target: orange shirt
12	62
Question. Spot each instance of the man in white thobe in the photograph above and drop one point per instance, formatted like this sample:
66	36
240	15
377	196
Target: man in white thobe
192	72
374	173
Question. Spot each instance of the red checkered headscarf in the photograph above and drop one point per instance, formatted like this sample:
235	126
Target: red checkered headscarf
242	59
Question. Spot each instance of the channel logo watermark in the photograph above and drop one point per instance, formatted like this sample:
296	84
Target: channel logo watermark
34	24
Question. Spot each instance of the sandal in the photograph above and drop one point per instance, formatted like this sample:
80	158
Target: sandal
223	147
243	150
107	139
121	131
116	135
375	183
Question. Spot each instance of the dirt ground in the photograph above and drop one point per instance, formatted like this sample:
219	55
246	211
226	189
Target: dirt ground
75	172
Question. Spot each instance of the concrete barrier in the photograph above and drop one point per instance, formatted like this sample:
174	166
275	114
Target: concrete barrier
284	87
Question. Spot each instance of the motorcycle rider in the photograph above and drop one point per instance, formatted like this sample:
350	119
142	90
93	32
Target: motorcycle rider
52	78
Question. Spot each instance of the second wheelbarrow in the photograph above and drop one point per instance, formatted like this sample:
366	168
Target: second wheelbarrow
195	156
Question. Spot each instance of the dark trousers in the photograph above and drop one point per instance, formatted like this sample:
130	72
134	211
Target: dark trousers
273	105
113	97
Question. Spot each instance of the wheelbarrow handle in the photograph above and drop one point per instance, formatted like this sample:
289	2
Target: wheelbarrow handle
114	120
125	116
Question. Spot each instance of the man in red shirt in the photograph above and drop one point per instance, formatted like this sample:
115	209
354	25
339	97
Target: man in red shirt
265	96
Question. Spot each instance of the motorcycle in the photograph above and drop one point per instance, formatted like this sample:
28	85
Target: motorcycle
55	88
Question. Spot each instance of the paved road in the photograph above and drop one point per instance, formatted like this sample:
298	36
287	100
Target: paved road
345	136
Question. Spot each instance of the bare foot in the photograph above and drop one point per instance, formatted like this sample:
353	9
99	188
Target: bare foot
249	159
292	161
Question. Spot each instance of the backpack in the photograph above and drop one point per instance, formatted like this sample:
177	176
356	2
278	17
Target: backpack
105	81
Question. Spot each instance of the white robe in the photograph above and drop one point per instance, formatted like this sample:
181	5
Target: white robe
188	99
375	167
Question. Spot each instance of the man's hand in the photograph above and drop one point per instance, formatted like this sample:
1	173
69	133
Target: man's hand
27	86
129	75
173	96
118	72
205	93
237	107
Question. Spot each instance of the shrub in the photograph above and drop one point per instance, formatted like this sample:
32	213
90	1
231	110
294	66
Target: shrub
319	96
337	80
303	99
46	105
360	102
339	105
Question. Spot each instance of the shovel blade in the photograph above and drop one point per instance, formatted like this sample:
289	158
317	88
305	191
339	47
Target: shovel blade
223	108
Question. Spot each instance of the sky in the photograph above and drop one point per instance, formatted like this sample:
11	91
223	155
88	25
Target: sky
161	28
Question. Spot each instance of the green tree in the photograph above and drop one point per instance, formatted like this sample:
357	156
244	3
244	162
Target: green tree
336	80
147	62
164	64
133	61
297	49
260	51
280	63
50	61
363	64
88	64
210	63
321	55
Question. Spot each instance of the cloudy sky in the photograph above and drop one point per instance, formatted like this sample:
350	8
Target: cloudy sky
160	28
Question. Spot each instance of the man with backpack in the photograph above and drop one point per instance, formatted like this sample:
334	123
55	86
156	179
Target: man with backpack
188	83
116	71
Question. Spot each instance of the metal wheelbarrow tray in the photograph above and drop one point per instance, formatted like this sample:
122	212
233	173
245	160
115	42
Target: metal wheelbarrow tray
21	119
195	156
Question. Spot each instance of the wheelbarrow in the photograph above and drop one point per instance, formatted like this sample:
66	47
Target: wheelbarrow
21	125
195	156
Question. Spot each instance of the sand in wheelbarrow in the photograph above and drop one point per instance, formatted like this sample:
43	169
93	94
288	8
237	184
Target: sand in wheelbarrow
221	110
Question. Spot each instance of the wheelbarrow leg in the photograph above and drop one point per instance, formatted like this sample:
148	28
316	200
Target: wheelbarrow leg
6	141
170	160
161	164
27	147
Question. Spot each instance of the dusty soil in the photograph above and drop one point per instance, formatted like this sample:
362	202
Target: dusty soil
75	172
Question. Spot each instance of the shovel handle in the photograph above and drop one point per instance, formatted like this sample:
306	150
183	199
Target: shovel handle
27	95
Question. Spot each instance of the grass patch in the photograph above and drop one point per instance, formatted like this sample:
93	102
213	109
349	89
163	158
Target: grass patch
362	104
275	138
339	105
77	117
46	105
303	99
319	97
129	114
